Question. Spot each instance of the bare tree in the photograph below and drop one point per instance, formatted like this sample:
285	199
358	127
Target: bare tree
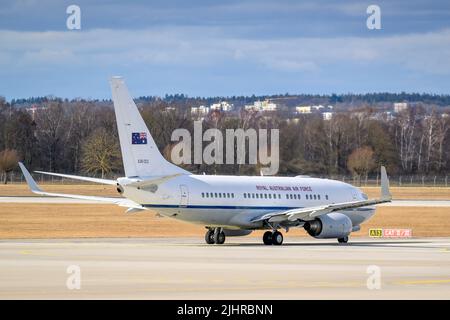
361	162
8	161
101	153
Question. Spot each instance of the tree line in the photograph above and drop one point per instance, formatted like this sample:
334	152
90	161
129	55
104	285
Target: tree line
80	137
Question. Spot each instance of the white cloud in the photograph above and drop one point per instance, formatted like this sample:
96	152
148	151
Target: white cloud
177	46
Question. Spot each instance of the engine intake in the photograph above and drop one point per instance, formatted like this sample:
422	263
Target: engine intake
331	225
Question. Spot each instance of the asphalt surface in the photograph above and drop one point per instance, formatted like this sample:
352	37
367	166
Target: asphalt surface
242	268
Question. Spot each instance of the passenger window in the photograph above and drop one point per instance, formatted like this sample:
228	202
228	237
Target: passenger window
326	197
245	195
265	195
307	197
270	196
287	196
314	197
253	196
318	196
279	196
203	194
232	195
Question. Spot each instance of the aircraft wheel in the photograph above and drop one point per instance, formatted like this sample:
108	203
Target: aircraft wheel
277	238
209	236
343	240
219	238
267	238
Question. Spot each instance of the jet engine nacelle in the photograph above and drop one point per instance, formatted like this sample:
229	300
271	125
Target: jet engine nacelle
331	225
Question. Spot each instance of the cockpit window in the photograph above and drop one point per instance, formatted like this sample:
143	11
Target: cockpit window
365	197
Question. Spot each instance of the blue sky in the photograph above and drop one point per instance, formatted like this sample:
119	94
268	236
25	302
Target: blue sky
208	48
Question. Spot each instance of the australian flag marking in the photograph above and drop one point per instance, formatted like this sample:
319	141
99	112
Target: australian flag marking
139	138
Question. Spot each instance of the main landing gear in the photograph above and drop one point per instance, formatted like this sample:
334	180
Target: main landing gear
273	237
343	240
215	236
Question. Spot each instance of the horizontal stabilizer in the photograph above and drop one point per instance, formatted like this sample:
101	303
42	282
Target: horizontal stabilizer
35	189
155	181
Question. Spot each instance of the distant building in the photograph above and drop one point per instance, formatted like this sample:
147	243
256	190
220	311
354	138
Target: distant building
400	106
223	105
327	115
293	120
170	109
318	107
303	109
265	105
202	110
33	109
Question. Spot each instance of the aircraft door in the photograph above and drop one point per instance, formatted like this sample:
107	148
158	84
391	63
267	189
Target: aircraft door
184	195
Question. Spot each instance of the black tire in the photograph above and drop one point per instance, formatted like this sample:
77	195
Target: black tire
267	238
277	238
219	238
343	240
209	237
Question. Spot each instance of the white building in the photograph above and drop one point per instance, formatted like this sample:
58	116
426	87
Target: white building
223	105
265	105
400	106
34	109
303	109
327	115
318	107
202	110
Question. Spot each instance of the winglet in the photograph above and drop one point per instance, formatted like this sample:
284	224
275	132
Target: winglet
31	183
385	193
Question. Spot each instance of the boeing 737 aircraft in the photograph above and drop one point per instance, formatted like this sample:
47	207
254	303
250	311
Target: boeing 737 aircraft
225	205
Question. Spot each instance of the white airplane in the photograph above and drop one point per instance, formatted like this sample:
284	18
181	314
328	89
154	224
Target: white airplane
226	205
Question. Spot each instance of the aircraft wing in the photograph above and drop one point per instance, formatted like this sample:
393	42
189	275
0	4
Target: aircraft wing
96	180
133	206
310	213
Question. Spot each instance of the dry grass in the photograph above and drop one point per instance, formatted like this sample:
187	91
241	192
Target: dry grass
80	220
84	189
423	193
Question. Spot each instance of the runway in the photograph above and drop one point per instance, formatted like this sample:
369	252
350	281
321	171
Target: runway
54	200
243	268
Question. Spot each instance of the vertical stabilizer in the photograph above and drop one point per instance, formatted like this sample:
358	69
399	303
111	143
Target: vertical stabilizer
140	154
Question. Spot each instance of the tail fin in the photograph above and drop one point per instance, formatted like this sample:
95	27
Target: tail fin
140	154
